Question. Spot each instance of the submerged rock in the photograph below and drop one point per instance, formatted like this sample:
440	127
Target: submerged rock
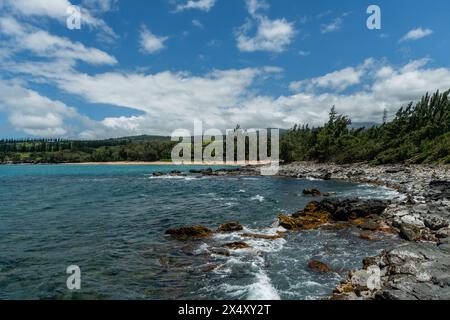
279	235
236	245
312	192
319	266
230	227
188	233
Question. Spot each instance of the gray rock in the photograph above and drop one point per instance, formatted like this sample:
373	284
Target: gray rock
409	232
435	223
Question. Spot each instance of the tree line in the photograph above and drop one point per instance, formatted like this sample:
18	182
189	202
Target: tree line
419	133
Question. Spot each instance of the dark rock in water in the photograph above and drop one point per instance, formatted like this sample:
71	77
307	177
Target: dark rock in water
237	245
230	227
312	192
319	266
206	172
435	223
158	174
409	232
327	176
188	233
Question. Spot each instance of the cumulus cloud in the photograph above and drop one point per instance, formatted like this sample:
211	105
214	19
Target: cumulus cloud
271	35
204	5
337	80
33	114
23	37
416	34
57	9
151	43
223	98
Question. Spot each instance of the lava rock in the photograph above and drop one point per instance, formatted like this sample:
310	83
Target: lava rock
230	227
319	266
188	233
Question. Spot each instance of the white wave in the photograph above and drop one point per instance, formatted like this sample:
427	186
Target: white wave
242	191
258	198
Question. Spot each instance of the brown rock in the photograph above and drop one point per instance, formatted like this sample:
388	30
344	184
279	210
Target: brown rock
279	235
190	233
237	245
319	266
230	227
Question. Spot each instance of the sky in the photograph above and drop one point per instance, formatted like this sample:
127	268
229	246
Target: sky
151	67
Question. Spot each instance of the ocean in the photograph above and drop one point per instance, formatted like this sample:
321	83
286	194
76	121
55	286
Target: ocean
111	222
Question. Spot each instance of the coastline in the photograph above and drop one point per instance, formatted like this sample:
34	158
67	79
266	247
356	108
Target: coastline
419	269
416	269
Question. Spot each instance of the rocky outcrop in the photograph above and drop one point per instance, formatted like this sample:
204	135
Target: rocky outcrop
317	214
190	233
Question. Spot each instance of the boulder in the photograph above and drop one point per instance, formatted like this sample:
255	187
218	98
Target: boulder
230	227
319	266
190	233
410	232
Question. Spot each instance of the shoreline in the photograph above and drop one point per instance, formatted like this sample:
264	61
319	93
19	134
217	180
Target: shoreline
419	269
416	269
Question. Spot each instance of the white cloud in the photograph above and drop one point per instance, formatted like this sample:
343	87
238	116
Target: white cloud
151	43
25	37
416	34
198	24
336	81
271	35
100	5
57	9
204	5
33	114
333	26
303	53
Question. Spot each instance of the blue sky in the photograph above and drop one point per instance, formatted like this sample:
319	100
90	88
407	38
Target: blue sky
150	67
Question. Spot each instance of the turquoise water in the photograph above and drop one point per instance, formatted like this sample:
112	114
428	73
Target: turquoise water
110	221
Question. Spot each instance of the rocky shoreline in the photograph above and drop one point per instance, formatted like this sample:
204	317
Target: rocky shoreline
419	268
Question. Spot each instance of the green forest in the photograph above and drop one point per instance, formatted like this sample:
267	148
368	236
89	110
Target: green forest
419	133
